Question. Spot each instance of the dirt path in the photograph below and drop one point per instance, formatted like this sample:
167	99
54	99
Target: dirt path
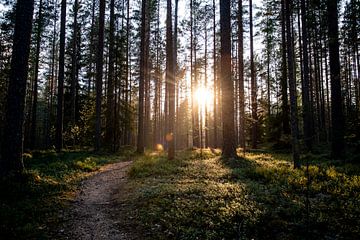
95	212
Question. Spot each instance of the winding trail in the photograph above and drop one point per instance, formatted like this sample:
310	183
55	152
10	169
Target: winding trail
95	212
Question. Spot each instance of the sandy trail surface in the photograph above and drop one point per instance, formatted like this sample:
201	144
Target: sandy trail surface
96	213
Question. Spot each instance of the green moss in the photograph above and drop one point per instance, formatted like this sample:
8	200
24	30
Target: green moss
29	205
260	196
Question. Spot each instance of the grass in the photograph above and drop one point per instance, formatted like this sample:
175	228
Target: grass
31	204
201	196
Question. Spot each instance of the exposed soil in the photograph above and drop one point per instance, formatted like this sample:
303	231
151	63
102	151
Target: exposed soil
96	212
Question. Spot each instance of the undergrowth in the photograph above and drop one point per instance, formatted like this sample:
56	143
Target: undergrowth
30	205
259	196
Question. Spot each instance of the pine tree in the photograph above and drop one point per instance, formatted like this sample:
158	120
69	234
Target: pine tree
12	144
227	87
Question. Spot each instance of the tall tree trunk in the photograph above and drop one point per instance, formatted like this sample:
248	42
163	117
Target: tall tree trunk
229	149
52	77
215	78
284	87
60	97
74	66
157	99
254	127
337	117
205	85
292	87
127	81
33	139
176	80
306	80
170	84
92	49
12	142
140	137
241	75
110	108
99	74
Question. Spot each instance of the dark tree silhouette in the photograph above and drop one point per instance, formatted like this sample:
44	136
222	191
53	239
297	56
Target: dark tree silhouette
337	117
227	87
12	143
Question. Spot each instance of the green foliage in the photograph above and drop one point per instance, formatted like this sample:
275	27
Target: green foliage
29	206
257	197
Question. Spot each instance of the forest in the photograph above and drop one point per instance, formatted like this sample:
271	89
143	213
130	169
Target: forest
179	119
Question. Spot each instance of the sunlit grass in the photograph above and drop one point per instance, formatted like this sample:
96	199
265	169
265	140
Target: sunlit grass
201	196
29	206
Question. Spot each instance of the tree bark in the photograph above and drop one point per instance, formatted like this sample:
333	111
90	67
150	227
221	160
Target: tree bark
60	97
306	80
140	137
33	139
284	87
170	83
292	87
337	117
110	108
254	127
12	146
229	149
99	74
241	75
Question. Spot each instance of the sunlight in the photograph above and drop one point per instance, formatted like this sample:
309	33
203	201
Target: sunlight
203	96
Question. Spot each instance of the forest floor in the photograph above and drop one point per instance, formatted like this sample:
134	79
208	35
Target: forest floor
61	194
198	195
94	214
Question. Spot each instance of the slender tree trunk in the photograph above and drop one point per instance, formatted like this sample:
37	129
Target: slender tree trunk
215	145
205	85
33	139
110	109
176	80
337	117
52	77
74	66
92	49
157	99
140	137
254	127
170	84
284	86
12	142
127	81
99	74
292	87
60	97
306	80
241	75
229	149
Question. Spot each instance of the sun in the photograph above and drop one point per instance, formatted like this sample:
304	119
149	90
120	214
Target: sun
203	96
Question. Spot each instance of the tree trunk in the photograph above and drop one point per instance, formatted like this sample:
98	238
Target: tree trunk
254	127
140	137
241	76
110	109
337	118
74	66
170	84
292	87
33	139
99	74
306	80
284	93
60	97
12	145
229	149
215	78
